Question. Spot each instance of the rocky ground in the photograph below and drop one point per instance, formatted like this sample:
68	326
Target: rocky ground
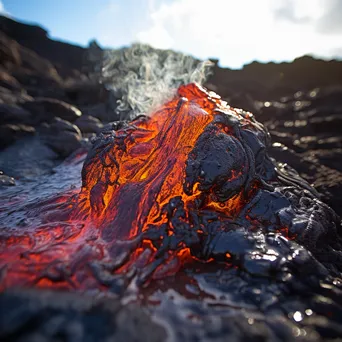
52	104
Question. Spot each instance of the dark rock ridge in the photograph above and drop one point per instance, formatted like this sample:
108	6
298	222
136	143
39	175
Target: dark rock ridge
41	80
67	58
273	80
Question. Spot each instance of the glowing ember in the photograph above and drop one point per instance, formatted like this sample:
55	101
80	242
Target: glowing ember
191	183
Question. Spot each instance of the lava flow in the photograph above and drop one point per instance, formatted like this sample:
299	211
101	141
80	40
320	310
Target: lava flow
190	183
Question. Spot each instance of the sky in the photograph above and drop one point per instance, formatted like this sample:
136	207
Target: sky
236	32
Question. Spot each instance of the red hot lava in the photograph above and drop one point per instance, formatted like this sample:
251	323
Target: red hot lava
157	193
140	168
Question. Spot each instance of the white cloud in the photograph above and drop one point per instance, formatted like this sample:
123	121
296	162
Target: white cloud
2	8
331	21
119	21
238	32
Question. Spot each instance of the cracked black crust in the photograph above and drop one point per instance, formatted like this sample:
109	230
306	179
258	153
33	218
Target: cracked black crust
231	156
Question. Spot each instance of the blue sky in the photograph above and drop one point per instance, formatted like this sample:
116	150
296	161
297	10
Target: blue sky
234	31
78	21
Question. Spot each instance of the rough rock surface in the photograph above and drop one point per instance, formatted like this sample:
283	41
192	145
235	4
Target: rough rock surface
45	109
73	318
28	158
89	124
5	180
10	133
308	124
14	114
15	97
62	136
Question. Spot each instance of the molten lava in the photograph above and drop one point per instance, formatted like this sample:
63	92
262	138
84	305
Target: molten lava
139	169
190	183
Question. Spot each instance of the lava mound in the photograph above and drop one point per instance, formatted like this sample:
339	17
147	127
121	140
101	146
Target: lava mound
191	183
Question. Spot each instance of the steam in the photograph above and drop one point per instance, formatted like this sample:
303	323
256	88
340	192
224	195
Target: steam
143	77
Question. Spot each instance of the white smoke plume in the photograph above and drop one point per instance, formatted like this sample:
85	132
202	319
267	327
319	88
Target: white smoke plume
144	77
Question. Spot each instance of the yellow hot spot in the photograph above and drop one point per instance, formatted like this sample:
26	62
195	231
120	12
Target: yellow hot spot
144	175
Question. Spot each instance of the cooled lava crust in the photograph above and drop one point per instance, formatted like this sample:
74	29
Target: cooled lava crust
191	184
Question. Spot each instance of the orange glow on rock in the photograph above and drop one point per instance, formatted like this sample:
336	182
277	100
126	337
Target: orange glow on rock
146	202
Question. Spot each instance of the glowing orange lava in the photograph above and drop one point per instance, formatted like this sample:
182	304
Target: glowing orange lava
135	185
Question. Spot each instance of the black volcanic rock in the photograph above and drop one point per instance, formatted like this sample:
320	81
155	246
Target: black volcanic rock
45	316
9	50
25	65
271	80
6	180
10	133
46	109
13	114
86	92
88	124
61	136
8	81
331	123
9	97
65	57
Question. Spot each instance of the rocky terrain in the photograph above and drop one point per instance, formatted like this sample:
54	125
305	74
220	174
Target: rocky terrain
52	105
